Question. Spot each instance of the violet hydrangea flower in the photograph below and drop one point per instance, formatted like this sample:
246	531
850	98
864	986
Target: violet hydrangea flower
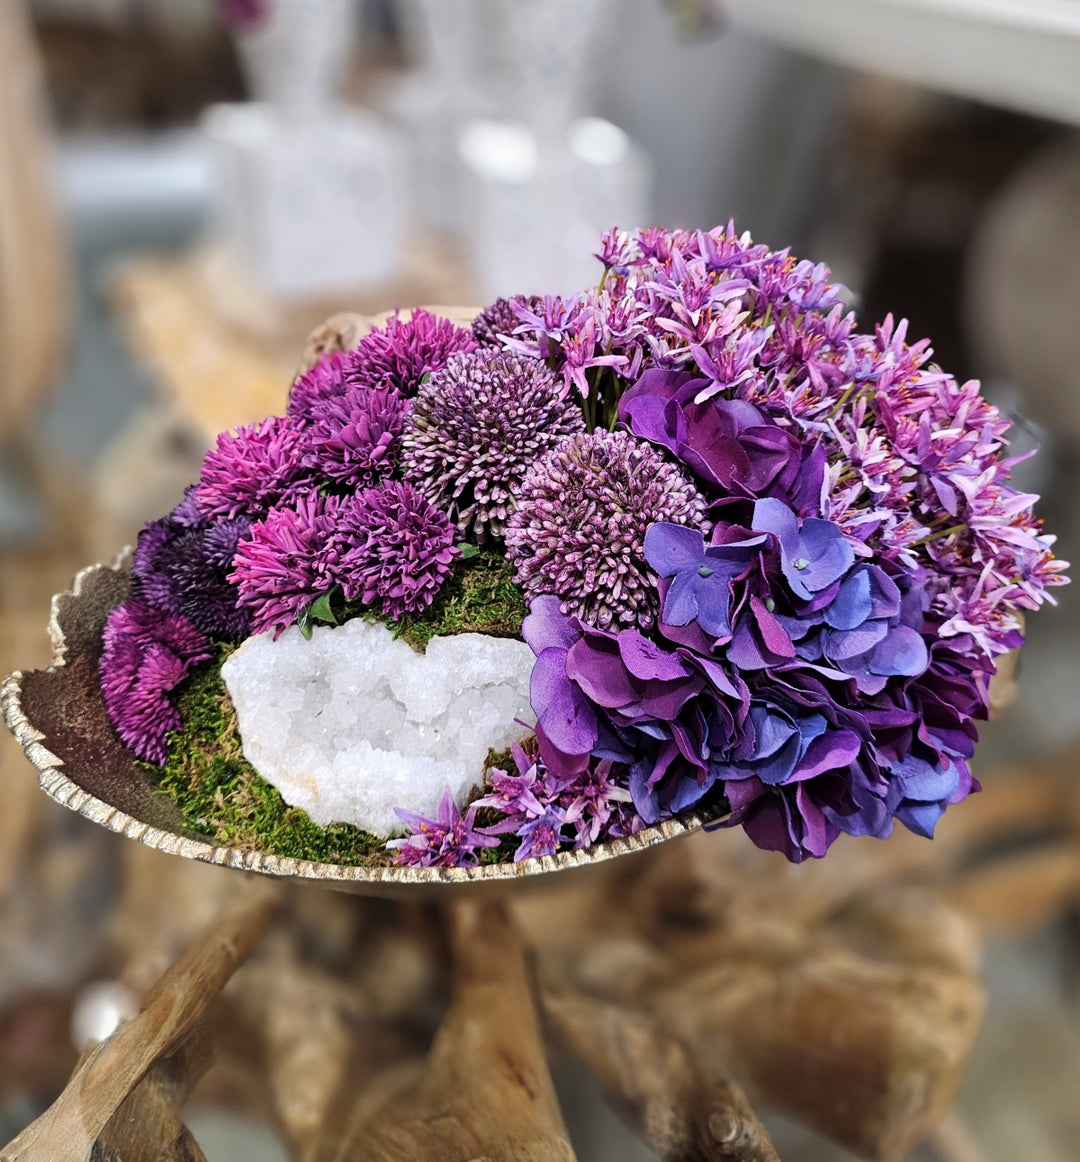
814	553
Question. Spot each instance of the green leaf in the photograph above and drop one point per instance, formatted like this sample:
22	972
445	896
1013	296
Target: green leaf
321	610
468	552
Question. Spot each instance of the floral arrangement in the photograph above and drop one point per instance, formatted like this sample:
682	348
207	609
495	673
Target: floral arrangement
765	561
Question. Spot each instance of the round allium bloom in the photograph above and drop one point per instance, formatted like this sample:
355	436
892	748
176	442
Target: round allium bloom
284	564
499	320
396	548
400	354
147	653
477	427
252	469
578	531
354	438
324	381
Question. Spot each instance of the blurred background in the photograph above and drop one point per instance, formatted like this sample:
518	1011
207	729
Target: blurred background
187	188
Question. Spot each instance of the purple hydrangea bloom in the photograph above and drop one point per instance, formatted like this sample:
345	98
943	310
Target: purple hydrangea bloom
146	654
579	527
871	629
399	354
451	840
701	577
285	563
814	553
353	438
477	427
394	547
621	697
252	469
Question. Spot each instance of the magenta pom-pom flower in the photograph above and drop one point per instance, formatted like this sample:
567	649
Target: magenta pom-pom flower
324	381
353	439
399	354
147	653
396	549
252	469
285	562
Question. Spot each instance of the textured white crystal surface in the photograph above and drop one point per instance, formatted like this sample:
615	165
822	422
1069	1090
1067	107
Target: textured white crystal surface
352	723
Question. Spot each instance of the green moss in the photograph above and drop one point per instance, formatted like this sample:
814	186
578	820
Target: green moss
481	597
222	796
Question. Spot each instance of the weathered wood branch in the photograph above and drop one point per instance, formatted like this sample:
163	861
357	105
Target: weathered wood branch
485	1090
67	1131
147	1126
683	1112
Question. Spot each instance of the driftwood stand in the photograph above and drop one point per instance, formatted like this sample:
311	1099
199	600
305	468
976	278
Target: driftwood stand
693	982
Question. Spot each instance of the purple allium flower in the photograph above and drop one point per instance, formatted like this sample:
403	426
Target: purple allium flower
394	547
477	427
324	381
146	654
579	527
354	438
499	321
252	469
285	563
399	354
451	840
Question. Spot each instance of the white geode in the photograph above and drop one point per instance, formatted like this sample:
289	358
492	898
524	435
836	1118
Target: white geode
354	723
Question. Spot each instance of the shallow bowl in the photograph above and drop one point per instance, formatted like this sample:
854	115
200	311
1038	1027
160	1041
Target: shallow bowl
58	715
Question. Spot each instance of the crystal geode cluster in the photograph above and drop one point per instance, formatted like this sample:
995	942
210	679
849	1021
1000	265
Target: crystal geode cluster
353	723
689	540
